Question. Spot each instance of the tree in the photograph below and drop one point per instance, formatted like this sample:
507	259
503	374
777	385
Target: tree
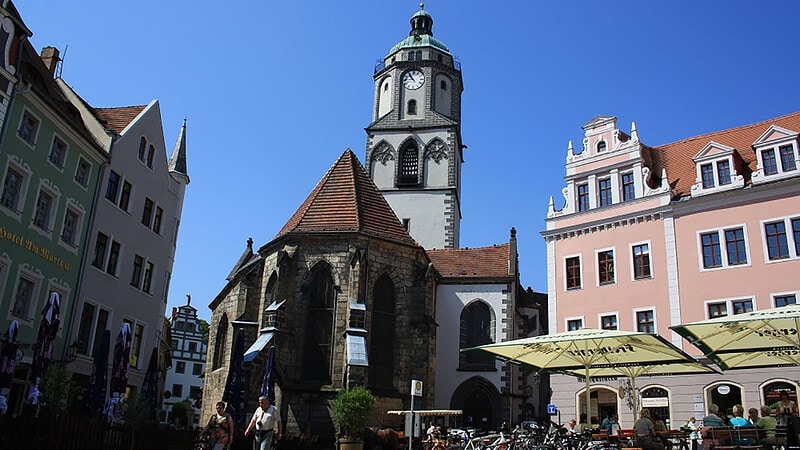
202	326
136	411
55	387
180	414
352	409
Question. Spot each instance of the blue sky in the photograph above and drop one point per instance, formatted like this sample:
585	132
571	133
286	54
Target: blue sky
275	91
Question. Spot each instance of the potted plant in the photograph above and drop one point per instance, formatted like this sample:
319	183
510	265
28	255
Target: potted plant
351	410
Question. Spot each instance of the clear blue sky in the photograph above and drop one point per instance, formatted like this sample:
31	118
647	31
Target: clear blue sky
275	91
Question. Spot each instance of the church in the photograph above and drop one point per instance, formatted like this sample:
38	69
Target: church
366	284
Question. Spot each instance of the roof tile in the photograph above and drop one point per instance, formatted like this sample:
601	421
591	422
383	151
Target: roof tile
116	119
483	262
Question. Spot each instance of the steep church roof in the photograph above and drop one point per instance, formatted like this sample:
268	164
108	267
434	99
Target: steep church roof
483	262
177	162
677	157
346	199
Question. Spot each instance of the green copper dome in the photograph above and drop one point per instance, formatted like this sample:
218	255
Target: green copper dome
421	34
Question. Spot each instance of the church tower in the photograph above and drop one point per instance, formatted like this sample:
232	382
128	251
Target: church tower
414	149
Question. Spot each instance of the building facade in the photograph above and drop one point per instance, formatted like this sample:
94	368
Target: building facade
133	236
50	172
650	237
184	380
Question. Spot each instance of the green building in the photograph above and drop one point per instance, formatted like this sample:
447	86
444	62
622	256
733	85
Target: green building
50	169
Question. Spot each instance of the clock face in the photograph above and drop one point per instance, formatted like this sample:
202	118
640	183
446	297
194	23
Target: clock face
413	79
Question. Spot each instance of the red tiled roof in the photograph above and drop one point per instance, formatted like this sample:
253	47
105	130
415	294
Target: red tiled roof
116	119
483	262
346	199
677	156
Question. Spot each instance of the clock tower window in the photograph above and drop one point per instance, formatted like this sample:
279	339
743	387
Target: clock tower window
409	165
412	107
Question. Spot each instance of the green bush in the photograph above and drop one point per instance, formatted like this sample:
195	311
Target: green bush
352	409
55	388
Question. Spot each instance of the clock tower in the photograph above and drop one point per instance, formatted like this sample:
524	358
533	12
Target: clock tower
414	150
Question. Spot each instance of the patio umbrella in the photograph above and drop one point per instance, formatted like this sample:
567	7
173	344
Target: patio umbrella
43	350
8	361
767	338
119	372
96	395
268	384
585	350
150	385
234	385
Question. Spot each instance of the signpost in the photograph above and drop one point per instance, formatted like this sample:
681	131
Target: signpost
416	391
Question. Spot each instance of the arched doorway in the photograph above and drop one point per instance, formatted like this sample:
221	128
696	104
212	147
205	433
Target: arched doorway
771	391
725	395
480	402
656	400
604	401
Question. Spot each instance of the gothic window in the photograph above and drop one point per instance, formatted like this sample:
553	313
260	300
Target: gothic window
412	107
477	328
320	297
383	152
381	348
409	164
443	85
219	343
436	150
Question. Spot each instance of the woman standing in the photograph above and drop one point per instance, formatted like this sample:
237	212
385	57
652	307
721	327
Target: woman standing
221	426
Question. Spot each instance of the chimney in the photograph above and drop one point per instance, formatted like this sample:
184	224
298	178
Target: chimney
513	258
50	59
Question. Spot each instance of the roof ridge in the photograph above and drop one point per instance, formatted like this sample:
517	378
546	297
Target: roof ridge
729	130
468	248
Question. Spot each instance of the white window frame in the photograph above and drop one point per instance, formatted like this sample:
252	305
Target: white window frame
649	257
729	304
133	323
787	223
88	172
621	194
26	271
788	137
564	271
27	111
64	156
723	247
714	153
72	247
783	294
600	316
635	317
597	266
22	168
567	320
52	191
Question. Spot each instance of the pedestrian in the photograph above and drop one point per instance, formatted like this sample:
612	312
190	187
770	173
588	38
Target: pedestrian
572	427
220	425
266	422
694	433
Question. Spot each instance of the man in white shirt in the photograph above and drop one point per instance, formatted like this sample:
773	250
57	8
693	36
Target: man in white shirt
267	423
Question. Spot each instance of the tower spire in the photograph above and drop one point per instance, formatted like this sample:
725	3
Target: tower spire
177	162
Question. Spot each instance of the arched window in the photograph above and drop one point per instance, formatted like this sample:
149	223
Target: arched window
443	85
601	146
409	164
151	152
419	54
220	342
142	148
477	328
320	296
412	107
385	86
410	56
381	339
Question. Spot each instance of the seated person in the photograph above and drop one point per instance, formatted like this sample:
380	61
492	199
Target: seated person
737	420
769	424
647	438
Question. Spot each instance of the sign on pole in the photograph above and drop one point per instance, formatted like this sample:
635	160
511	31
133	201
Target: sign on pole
551	409
416	388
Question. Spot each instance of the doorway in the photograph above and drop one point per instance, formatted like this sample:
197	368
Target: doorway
725	395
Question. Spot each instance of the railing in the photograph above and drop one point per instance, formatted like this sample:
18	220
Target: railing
380	65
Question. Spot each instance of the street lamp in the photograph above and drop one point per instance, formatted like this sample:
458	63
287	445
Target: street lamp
71	355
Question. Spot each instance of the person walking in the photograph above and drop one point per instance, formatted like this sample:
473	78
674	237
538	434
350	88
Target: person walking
220	424
694	433
266	422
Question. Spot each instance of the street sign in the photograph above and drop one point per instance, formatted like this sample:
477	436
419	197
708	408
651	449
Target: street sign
551	409
416	388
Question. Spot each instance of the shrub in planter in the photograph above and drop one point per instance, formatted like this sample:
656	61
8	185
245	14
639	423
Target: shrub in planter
352	409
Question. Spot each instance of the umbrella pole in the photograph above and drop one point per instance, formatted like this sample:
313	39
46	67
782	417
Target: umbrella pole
588	399
634	395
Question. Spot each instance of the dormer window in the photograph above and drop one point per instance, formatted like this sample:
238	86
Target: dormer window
716	169
777	154
601	146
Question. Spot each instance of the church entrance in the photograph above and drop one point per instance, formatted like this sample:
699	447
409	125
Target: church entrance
480	402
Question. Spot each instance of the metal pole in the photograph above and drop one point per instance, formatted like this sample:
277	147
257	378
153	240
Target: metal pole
411	433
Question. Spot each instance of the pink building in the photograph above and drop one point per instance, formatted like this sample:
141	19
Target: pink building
650	237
